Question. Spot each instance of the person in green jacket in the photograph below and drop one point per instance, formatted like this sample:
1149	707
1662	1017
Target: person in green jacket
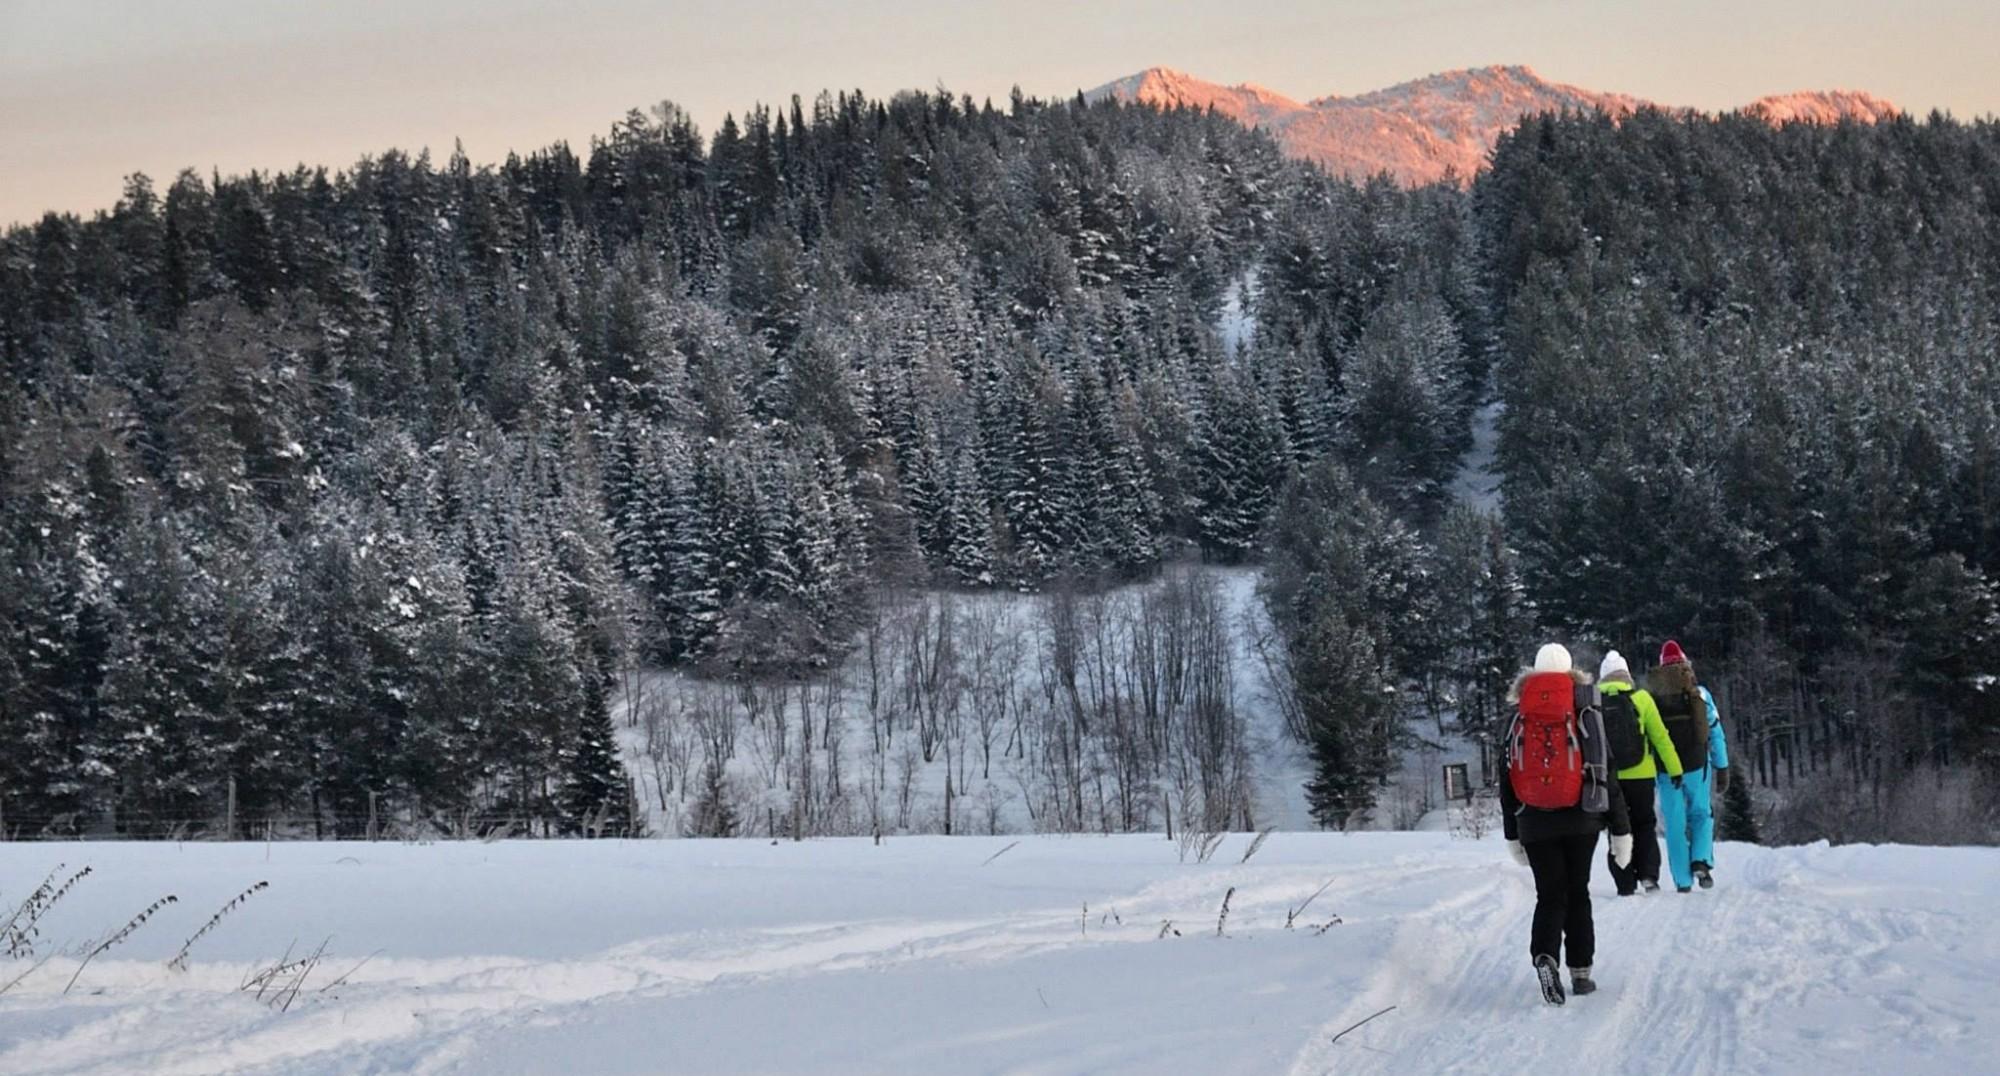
1625	702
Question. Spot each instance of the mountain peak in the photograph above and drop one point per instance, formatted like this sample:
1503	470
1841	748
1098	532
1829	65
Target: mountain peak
1439	125
1823	106
1167	87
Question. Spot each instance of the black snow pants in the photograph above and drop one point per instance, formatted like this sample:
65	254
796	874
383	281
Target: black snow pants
1562	898
1639	800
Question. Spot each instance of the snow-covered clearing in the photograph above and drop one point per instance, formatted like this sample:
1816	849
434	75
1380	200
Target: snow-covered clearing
1014	633
976	954
1237	322
1478	480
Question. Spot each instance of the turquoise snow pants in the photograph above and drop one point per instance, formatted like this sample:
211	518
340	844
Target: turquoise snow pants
1689	826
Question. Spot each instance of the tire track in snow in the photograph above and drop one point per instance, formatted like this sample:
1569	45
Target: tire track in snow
1773	970
1658	953
1439	973
1466	997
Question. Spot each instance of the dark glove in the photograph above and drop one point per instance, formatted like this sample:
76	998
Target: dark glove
1722	780
1677	780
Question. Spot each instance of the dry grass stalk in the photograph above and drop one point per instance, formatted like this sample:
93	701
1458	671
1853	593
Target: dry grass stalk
32	968
261	978
283	999
124	932
1351	1027
350	971
1254	846
257	977
19	932
66	887
179	962
998	854
1293	915
1223	919
12	930
1209	846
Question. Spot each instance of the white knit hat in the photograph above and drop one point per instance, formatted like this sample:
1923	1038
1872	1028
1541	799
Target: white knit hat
1614	665
1552	657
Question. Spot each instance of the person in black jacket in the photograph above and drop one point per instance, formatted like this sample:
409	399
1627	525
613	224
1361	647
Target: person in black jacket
1559	845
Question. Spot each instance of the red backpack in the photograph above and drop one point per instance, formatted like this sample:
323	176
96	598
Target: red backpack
1544	751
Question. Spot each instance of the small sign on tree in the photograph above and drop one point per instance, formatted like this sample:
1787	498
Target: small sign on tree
1457	783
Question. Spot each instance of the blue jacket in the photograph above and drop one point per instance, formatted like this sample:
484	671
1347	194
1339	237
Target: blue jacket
1718	748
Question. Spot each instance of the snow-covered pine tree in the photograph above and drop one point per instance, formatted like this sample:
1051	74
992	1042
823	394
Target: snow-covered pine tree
689	593
969	554
1305	405
1034	495
1402	414
1339	570
1238	463
595	797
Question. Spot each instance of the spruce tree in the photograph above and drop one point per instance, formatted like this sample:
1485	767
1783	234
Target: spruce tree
595	782
1737	821
1238	460
968	530
1343	699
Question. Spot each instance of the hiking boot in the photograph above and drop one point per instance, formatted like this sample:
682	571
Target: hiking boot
1551	981
1701	875
1580	982
1650	886
1683	889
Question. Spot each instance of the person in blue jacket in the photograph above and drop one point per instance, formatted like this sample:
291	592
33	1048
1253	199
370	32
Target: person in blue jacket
1695	727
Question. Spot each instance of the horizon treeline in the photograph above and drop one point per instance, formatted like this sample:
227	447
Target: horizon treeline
371	483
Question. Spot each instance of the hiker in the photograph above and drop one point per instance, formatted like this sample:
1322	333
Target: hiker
1557	795
1688	712
1640	751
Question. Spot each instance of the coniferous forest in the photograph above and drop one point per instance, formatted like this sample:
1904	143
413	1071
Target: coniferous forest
333	496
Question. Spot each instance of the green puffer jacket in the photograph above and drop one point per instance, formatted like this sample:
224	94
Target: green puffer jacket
1652	730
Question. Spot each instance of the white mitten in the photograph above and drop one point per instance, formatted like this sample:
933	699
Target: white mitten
1621	851
1520	853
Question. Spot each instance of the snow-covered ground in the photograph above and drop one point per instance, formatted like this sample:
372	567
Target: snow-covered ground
1278	767
1237	323
976	954
1478	482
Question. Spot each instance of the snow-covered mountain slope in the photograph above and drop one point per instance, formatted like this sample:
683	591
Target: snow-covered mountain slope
1823	106
1427	129
980	954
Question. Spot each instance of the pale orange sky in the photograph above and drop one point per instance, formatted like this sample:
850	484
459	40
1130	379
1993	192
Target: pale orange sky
91	90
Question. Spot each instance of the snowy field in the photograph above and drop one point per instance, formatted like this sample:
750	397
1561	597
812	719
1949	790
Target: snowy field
974	954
